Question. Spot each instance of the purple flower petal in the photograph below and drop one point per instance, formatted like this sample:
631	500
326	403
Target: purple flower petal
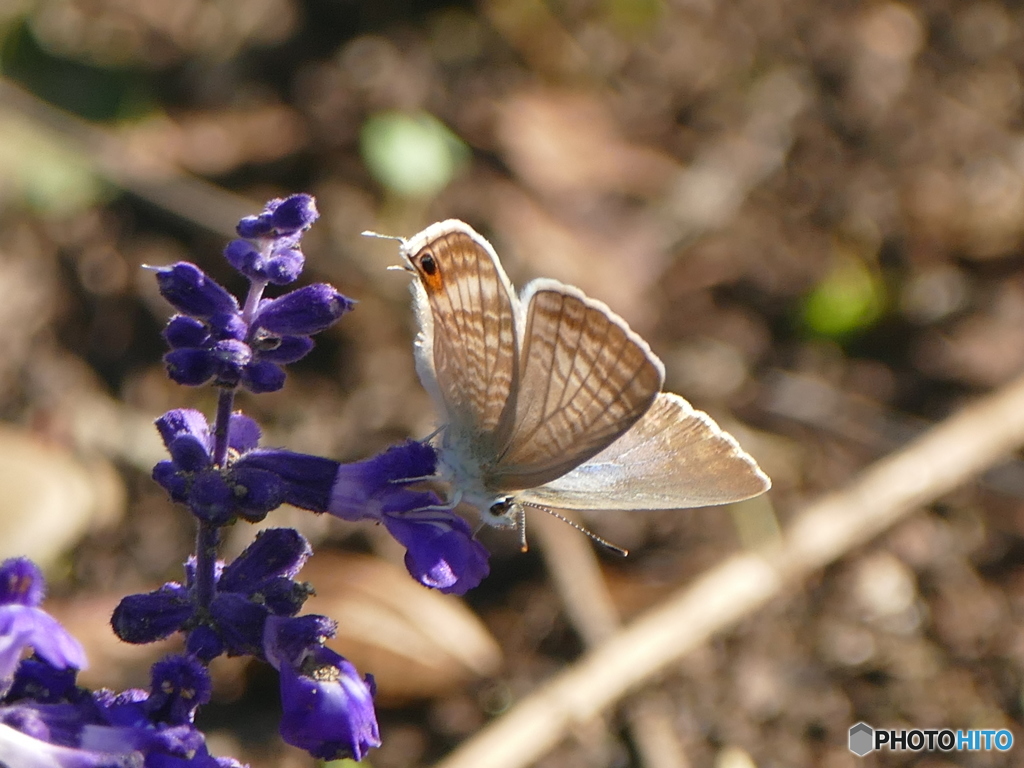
361	489
243	433
442	553
327	709
23	626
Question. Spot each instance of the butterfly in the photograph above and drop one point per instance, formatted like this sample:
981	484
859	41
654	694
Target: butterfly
549	399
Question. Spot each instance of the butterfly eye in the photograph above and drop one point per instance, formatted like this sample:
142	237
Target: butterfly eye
428	264
501	507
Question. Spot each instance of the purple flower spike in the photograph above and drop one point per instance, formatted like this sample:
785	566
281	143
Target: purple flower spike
280	218
327	708
269	252
24	625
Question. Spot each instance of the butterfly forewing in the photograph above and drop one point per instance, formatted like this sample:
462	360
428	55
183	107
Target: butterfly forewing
674	457
585	378
470	351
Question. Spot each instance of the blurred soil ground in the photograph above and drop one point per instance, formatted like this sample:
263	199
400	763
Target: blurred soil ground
813	211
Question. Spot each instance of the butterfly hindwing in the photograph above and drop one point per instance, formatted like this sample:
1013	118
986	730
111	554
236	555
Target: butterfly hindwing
675	457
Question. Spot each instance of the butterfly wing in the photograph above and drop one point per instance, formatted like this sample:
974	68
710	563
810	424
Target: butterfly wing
585	378
466	350
675	457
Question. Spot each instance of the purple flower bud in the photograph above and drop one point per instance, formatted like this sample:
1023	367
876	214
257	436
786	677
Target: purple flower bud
192	292
229	325
294	213
280	218
180	684
189	453
190	367
304	311
204	643
308	480
240	623
183	421
243	255
263	377
212	498
257	493
274	552
43	683
185	331
232	352
153	616
167	475
288	349
284	597
284	266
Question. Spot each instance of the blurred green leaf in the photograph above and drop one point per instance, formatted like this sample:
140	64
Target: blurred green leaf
411	154
633	15
849	298
43	173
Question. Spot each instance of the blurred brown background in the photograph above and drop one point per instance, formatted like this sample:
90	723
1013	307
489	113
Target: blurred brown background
813	211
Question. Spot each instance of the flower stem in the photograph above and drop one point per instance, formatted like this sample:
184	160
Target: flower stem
208	535
207	539
225	402
252	300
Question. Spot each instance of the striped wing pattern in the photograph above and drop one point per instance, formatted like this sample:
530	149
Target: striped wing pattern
585	378
474	338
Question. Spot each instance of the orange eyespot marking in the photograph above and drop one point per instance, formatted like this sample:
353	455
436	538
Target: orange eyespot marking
429	271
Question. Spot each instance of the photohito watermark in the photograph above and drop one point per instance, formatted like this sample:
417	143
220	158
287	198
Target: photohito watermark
865	739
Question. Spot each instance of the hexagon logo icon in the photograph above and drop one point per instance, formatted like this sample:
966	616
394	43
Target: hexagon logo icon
862	737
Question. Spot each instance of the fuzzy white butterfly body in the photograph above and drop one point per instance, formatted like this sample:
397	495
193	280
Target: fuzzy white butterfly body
551	399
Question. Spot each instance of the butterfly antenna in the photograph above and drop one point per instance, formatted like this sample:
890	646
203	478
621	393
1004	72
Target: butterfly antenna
620	551
378	235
